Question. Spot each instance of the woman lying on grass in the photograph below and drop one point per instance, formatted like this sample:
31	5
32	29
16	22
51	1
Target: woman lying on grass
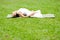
23	12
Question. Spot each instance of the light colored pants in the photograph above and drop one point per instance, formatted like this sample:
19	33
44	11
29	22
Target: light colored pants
38	14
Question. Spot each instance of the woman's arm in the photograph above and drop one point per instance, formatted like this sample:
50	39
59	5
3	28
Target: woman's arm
33	12
21	14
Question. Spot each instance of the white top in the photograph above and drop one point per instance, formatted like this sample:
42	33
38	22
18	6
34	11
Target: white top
24	11
28	12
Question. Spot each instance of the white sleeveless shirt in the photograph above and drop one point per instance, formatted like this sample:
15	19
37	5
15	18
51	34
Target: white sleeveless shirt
28	12
24	11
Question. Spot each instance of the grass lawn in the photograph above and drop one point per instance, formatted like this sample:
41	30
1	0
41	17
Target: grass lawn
30	28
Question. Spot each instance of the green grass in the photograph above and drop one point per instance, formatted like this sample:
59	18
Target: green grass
30	28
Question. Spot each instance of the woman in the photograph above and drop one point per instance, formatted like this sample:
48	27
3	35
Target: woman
23	12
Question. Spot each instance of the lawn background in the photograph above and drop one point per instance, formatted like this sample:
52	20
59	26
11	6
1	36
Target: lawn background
30	28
